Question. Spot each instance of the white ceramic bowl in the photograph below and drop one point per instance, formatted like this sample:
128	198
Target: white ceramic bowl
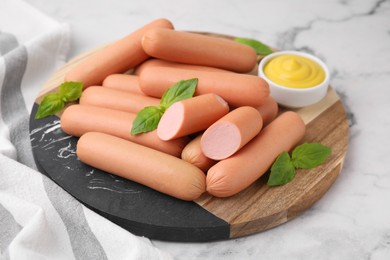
295	97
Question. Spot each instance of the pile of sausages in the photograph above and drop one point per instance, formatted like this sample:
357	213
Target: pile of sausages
220	141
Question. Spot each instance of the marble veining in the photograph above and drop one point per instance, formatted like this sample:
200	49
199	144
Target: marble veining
352	220
67	151
50	136
287	39
102	184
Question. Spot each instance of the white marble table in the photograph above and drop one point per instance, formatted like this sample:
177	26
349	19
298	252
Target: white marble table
352	221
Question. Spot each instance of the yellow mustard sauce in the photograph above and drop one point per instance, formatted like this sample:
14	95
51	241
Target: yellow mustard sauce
294	71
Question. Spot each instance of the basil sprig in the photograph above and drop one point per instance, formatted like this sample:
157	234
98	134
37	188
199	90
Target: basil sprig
304	156
148	118
282	171
55	102
260	48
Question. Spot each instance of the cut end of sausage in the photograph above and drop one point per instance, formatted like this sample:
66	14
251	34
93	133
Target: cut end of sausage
221	140
171	122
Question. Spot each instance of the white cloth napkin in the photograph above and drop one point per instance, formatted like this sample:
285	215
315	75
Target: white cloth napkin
39	220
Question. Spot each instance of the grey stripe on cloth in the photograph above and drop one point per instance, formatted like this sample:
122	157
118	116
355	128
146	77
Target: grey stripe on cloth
9	228
84	242
15	115
13	109
7	42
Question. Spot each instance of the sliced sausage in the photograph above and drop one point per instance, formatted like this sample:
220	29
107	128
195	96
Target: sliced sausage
230	133
237	172
192	152
77	120
191	115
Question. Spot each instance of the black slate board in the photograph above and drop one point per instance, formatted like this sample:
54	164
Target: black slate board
137	208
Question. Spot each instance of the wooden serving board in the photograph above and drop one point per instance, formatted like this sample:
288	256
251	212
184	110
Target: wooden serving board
146	212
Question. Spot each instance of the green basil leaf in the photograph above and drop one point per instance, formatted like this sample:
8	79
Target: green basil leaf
71	91
181	90
310	155
260	48
147	119
50	104
282	170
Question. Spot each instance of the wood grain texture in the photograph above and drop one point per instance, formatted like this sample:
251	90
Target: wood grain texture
260	207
